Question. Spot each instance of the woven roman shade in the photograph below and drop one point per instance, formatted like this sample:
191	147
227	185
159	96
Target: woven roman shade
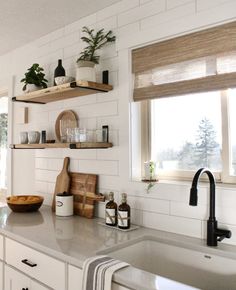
198	62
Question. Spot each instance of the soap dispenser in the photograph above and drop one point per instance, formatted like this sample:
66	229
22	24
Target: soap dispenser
124	213
111	211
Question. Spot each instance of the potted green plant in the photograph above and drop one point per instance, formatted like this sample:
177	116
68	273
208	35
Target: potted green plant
89	57
34	79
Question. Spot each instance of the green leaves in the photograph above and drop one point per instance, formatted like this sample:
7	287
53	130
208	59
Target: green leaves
35	75
95	42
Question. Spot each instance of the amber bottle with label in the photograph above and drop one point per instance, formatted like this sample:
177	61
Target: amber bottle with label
111	211
124	213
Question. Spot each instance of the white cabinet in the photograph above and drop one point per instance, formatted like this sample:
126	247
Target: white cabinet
37	265
75	280
15	280
1	275
1	247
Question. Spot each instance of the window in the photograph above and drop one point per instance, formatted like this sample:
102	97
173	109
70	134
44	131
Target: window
184	104
191	135
3	145
186	133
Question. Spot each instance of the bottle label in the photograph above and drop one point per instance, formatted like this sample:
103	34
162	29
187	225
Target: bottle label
110	216
123	218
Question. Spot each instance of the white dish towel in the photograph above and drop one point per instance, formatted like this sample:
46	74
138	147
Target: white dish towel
98	271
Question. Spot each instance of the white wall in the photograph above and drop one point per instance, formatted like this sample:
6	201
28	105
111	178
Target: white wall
136	23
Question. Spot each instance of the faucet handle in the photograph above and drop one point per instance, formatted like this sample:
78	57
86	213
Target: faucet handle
221	234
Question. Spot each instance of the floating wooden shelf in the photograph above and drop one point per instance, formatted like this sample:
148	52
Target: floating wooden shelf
80	145
63	92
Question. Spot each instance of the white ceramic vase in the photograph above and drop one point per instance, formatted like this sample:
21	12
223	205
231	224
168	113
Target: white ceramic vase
32	88
86	71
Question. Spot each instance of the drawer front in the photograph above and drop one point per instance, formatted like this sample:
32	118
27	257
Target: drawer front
36	264
74	278
14	280
1	247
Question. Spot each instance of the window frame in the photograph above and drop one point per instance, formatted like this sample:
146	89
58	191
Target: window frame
223	176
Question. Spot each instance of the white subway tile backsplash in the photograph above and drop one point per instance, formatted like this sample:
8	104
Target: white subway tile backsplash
46	175
80	101
99	167
41	163
41	186
149	204
179	225
107	24
86	154
168	16
55	164
109	154
145	1
108	181
185	210
116	9
138	13
174	3
204	5
97	110
128	29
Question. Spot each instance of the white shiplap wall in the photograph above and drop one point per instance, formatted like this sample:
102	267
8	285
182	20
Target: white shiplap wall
135	22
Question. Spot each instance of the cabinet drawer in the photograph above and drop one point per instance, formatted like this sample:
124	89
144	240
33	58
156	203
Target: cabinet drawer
36	264
1	247
16	280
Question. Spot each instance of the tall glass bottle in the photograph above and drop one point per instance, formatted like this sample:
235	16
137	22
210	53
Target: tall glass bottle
124	213
59	71
111	211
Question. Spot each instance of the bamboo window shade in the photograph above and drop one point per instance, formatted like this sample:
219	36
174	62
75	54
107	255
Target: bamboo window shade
198	62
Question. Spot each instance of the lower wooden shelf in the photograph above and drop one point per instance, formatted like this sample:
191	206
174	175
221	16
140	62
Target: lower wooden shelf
79	145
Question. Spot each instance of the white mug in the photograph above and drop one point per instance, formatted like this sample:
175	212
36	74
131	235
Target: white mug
34	137
23	137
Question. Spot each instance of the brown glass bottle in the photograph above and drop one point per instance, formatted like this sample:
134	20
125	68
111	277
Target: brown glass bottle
124	213
111	211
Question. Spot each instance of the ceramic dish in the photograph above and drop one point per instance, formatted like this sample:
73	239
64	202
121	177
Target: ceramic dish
63	80
24	203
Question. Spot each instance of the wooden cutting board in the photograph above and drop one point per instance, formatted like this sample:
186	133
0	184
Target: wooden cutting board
84	186
62	181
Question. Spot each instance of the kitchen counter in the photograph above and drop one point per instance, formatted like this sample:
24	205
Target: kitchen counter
73	239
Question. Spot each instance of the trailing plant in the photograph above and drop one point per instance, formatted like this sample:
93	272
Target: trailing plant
35	75
95	42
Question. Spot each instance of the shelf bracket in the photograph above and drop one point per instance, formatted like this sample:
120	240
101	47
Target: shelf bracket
29	102
72	146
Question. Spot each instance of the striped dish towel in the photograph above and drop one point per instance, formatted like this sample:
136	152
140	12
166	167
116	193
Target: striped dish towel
98	271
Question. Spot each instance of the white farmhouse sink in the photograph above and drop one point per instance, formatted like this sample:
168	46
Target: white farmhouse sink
187	266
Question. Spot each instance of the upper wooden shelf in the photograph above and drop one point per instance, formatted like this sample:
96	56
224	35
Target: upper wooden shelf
79	145
63	92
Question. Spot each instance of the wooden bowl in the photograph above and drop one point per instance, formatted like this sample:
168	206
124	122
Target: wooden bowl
24	203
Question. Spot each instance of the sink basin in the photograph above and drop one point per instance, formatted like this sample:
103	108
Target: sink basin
187	266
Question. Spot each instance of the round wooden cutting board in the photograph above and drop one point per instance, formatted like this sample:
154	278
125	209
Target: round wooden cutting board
66	119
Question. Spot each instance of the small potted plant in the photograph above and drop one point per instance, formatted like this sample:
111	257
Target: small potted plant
34	79
89	57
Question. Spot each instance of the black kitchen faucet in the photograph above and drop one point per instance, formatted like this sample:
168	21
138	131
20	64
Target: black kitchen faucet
213	233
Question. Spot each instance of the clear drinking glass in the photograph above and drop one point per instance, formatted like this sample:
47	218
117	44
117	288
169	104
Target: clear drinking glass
99	135
77	134
83	135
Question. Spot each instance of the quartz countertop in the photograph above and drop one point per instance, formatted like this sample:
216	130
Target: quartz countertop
74	239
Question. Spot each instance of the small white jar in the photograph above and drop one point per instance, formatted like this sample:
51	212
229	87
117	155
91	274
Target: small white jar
64	204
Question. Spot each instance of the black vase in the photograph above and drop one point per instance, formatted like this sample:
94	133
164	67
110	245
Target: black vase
59	71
